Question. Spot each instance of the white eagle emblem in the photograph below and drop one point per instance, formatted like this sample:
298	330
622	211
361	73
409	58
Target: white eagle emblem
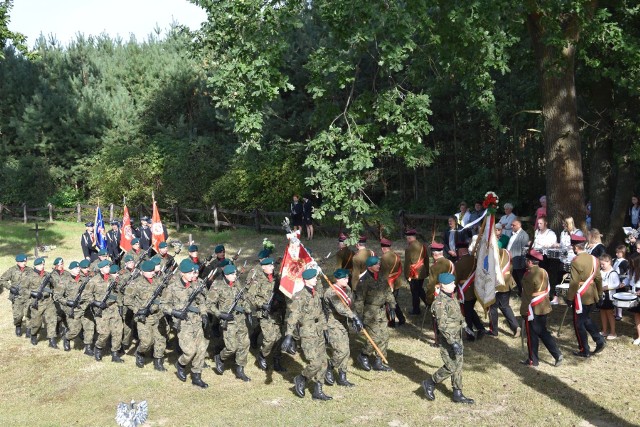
131	415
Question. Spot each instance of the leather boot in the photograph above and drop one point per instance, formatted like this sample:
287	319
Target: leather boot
181	373
363	359
27	333
139	360
379	366
98	354
115	357
66	344
219	368
262	361
342	379
429	386
34	339
158	364
18	331
318	394
253	338
53	343
240	374
196	379
458	397
299	384
400	316
277	366
328	376
88	350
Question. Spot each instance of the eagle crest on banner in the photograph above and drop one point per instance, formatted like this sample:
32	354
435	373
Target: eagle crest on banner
488	271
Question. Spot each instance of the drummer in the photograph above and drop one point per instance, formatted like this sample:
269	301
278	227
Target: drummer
633	280
621	266
569	229
610	284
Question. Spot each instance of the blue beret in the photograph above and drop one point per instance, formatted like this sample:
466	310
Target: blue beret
128	257
156	259
218	249
229	269
309	273
74	264
193	248
372	260
21	258
341	273
103	263
57	261
135	241
266	261
186	266
38	261
162	245
148	266
84	263
102	252
446	278
114	269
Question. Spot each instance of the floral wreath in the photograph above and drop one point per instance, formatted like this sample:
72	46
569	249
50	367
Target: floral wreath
490	202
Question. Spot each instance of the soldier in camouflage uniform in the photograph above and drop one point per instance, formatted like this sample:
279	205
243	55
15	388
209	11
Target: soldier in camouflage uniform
374	298
446	310
220	300
269	302
102	256
85	271
190	322
14	279
126	277
167	260
46	308
338	302
107	316
305	311
77	318
151	325
58	277
135	251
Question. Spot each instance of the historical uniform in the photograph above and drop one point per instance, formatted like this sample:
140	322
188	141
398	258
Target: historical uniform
45	309
88	243
503	293
446	310
391	272
78	319
113	242
344	256
464	273
416	269
14	279
359	261
144	234
373	297
534	308
108	321
440	265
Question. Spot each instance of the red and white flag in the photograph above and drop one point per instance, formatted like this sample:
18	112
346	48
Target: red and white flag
126	236
157	230
294	262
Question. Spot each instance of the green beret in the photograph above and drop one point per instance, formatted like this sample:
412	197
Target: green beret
229	269
162	245
193	248
218	249
266	261
74	264
148	266
38	261
21	258
102	252
309	273
84	263
103	263
157	259
446	278
264	253
135	241
372	260
186	266
341	273
195	267
57	261
224	263
128	257
114	269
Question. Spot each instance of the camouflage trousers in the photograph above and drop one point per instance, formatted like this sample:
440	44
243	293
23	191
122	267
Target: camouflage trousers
20	309
271	337
375	321
128	325
339	342
236	341
46	310
193	344
109	325
152	333
312	341
80	322
452	366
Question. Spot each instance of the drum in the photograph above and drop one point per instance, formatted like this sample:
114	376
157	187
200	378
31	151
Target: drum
562	289
625	300
566	267
555	253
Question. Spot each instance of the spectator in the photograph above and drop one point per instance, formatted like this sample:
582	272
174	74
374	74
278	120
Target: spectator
462	217
633	213
542	210
588	220
503	241
452	236
517	246
595	246
296	213
569	229
507	219
477	213
307	212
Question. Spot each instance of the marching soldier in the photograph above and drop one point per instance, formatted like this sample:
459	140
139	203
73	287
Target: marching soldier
85	271
344	256
113	242
220	300
360	260
58	277
108	321
126	277
144	233
503	292
15	279
585	289
42	305
167	260
372	296
102	256
188	323
416	269
305	310
136	252
450	321
464	271
269	302
391	272
88	243
534	307
193	257
76	311
218	261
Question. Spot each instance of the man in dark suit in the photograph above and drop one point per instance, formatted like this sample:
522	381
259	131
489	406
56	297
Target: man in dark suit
517	245
88	243
113	242
451	236
144	233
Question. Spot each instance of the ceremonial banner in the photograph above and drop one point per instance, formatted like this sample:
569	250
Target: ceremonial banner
100	237
126	236
294	262
488	271
157	230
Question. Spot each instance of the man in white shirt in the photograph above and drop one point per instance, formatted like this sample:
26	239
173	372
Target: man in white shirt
507	219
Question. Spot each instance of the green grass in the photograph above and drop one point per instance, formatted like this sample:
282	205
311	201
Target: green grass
41	386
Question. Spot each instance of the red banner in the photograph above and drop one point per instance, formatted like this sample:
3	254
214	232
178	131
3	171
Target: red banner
126	234
156	228
294	262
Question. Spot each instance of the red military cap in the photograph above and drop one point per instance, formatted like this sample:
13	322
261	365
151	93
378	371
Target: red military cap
435	246
342	237
576	240
410	232
362	239
533	254
385	242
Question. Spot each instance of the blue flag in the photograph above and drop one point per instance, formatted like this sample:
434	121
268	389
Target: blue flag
101	240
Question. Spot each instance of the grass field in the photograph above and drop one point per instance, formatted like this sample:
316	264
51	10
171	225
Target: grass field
42	386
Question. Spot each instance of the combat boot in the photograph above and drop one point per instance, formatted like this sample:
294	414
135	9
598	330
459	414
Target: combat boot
34	339
196	379
27	333
299	384
53	343
219	367
429	386
158	364
240	374
115	357
66	344
139	360
97	354
181	373
400	315
277	366
342	379
253	338
88	350
379	366
318	394
18	331
458	397
262	361
363	359
328	376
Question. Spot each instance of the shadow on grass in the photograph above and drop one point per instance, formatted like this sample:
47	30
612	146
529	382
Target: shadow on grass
21	238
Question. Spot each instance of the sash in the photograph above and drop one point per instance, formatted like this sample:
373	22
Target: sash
344	265
583	289
413	268
507	267
342	294
462	289
393	277
537	300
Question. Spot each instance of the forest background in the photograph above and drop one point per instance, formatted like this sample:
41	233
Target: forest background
372	107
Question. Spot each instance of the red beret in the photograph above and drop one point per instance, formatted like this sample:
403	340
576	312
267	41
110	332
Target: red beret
410	232
435	246
362	239
533	254
576	240
342	237
385	243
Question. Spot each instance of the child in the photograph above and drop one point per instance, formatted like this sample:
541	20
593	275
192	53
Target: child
610	283
621	266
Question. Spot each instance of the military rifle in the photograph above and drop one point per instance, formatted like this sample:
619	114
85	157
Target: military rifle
76	300
182	314
39	294
146	310
236	300
136	270
103	304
